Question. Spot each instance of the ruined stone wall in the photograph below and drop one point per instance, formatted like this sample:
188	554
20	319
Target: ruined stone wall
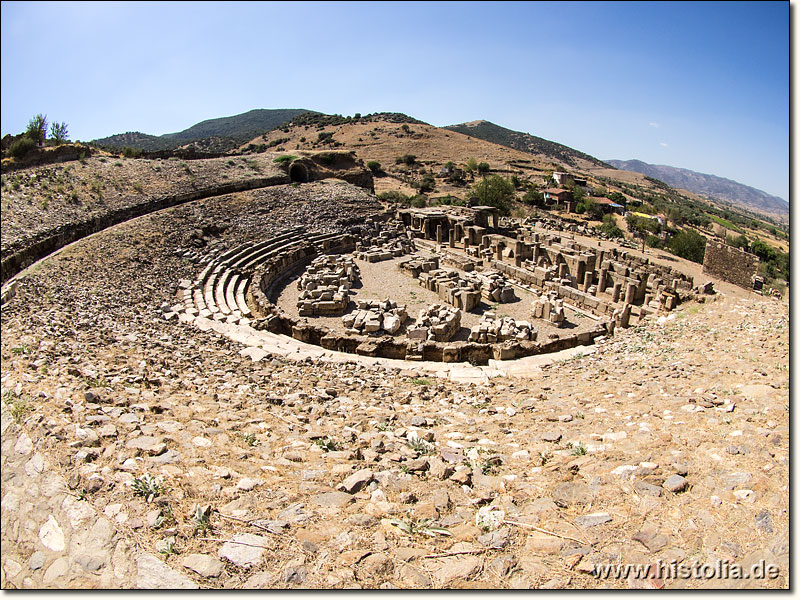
730	264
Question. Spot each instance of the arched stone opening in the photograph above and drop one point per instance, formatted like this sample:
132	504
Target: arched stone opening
298	173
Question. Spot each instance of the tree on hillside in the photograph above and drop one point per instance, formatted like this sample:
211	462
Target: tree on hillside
58	132
471	165
495	191
610	228
37	129
483	168
688	244
590	207
533	197
641	227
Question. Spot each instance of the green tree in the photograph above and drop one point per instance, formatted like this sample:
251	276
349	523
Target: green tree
37	129
577	193
533	197
688	244
641	227
590	207
495	191
58	132
374	166
471	165
483	168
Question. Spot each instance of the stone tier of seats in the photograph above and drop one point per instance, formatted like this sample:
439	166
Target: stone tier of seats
220	290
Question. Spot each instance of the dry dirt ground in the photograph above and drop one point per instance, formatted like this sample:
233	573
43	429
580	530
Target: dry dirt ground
141	452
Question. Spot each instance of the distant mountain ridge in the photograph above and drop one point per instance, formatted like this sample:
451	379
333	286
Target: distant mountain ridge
233	130
708	185
525	142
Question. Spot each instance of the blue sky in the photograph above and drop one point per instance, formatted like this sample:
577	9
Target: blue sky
703	86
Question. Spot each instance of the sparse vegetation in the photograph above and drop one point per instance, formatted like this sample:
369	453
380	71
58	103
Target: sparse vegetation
147	486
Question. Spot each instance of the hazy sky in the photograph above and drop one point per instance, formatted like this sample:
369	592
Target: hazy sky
703	86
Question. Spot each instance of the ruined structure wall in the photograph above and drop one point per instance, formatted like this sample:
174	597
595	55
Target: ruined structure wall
730	264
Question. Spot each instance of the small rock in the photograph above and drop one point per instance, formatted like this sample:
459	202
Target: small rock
246	484
675	484
153	574
356	481
51	535
376	565
593	519
36	560
203	564
571	493
551	436
244	555
152	446
332	499
764	521
647	489
652	539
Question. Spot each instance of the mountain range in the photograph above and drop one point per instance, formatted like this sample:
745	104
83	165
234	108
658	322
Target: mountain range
711	186
221	134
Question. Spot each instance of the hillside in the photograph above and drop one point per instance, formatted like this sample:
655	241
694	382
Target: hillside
524	142
387	138
225	132
709	185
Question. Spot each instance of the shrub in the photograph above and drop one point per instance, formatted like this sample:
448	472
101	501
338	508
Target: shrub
419	201
610	228
407	159
21	147
427	184
394	196
374	166
654	241
285	158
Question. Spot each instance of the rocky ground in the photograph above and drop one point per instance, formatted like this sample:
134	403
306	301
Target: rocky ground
42	199
139	452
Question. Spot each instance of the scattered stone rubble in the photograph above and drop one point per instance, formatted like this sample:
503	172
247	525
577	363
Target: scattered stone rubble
549	307
326	285
453	288
416	264
439	322
379	241
493	329
375	316
494	286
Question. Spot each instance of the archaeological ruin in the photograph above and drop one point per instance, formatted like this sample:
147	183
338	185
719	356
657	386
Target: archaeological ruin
487	265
